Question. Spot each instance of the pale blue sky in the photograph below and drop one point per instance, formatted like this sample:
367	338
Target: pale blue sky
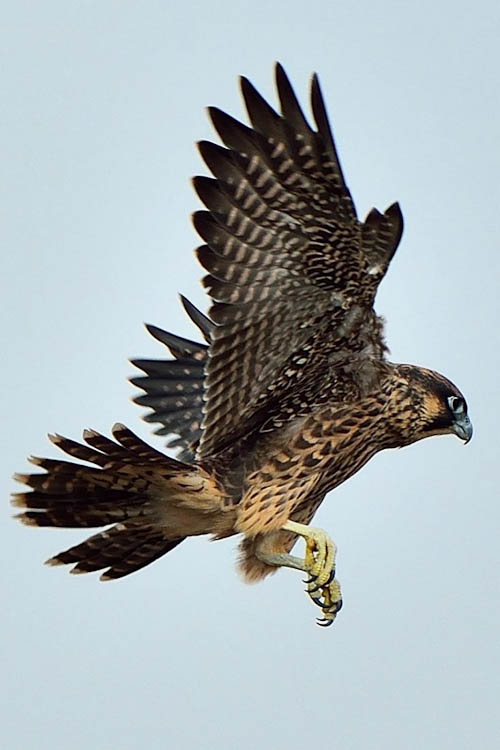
102	103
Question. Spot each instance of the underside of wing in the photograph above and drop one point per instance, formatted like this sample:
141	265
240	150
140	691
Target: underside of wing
292	272
173	388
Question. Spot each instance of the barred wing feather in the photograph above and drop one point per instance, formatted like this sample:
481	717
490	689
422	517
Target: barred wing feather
292	272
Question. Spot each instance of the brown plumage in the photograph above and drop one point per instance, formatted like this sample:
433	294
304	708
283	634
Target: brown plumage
290	395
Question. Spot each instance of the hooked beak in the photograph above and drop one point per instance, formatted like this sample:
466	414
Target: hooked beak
462	427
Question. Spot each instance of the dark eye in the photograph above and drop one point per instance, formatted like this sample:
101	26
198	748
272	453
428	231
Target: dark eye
456	403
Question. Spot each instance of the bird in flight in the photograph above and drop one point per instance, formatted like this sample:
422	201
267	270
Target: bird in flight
291	392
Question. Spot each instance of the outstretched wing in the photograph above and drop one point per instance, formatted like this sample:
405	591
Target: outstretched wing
292	272
174	387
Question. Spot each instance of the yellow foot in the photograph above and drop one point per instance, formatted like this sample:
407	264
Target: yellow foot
329	598
319	563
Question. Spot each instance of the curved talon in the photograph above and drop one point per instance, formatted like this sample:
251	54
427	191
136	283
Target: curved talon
323	622
314	589
318	602
330	577
319	563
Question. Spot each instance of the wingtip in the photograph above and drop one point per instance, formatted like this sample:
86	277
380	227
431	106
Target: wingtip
394	210
203	145
280	75
248	89
199	218
315	82
199	182
156	332
317	99
216	115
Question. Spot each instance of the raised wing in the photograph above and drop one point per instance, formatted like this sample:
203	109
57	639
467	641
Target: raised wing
174	387
292	272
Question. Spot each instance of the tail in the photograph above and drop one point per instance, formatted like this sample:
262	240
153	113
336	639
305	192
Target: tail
125	486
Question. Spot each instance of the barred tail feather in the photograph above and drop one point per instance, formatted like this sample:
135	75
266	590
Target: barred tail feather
121	488
123	549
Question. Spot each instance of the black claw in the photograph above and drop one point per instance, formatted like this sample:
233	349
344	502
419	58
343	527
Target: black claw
324	623
317	602
330	577
309	580
313	589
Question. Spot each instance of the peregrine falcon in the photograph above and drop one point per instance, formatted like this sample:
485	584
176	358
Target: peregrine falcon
292	391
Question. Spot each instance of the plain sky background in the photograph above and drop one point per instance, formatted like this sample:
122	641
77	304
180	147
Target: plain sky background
102	103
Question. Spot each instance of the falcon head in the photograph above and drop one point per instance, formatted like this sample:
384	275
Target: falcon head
442	408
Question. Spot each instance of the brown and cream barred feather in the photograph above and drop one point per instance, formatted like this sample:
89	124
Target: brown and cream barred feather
122	487
286	255
174	388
